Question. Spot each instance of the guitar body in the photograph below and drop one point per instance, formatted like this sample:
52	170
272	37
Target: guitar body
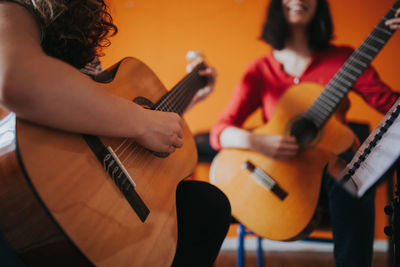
77	206
258	208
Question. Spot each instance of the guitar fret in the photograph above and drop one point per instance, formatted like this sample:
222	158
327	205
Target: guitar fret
353	68
327	100
383	30
370	58
370	47
180	96
316	117
379	40
321	108
381	35
339	86
309	115
334	96
331	96
362	63
351	76
334	91
349	84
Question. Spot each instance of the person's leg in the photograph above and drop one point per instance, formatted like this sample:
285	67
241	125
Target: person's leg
204	216
352	222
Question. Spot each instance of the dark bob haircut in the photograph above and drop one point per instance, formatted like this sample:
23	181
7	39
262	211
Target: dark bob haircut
276	29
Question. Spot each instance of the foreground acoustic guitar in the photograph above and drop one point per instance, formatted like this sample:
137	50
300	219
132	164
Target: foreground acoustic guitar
277	199
73	200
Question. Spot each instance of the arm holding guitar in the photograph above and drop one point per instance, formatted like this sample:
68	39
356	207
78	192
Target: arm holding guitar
50	92
274	146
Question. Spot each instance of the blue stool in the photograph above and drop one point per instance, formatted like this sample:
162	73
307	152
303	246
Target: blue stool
240	257
242	232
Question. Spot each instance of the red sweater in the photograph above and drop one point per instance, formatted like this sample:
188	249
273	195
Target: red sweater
265	81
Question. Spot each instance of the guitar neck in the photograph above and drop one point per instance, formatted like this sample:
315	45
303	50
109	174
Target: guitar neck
334	93
179	97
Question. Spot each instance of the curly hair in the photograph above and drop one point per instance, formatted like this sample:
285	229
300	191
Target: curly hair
74	31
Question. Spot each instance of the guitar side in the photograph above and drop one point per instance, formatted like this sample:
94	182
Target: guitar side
85	202
259	209
25	223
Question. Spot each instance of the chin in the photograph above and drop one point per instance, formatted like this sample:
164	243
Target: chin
298	22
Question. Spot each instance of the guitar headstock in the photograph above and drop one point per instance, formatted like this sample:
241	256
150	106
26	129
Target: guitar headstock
194	58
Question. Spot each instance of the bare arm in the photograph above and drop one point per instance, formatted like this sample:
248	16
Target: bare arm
275	146
48	91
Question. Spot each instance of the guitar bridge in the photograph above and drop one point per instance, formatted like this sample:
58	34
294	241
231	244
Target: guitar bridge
265	180
117	172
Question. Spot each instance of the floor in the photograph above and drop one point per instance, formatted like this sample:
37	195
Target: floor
227	258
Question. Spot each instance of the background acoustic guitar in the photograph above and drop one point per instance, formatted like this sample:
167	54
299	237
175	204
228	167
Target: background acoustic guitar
277	199
77	200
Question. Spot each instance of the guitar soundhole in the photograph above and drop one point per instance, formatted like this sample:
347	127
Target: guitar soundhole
305	131
160	154
144	102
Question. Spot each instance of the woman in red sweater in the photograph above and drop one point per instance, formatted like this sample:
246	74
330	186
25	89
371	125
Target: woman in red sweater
300	32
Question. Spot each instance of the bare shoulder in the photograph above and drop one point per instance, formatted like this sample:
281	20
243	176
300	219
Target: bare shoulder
18	24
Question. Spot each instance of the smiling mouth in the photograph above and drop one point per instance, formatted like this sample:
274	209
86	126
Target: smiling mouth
298	8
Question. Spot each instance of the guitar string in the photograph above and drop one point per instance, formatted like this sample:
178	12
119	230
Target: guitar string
182	85
358	55
372	38
342	78
120	145
131	143
341	75
181	104
165	105
182	99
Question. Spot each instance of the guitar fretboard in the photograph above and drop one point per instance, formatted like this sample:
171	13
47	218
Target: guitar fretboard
328	101
375	156
179	97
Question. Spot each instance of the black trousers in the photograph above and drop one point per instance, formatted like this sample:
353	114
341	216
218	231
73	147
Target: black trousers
204	216
352	221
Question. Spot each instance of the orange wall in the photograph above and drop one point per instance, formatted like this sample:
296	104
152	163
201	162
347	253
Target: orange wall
160	32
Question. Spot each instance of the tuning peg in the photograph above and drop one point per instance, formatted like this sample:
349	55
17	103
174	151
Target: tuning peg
194	58
191	55
388	230
388	210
